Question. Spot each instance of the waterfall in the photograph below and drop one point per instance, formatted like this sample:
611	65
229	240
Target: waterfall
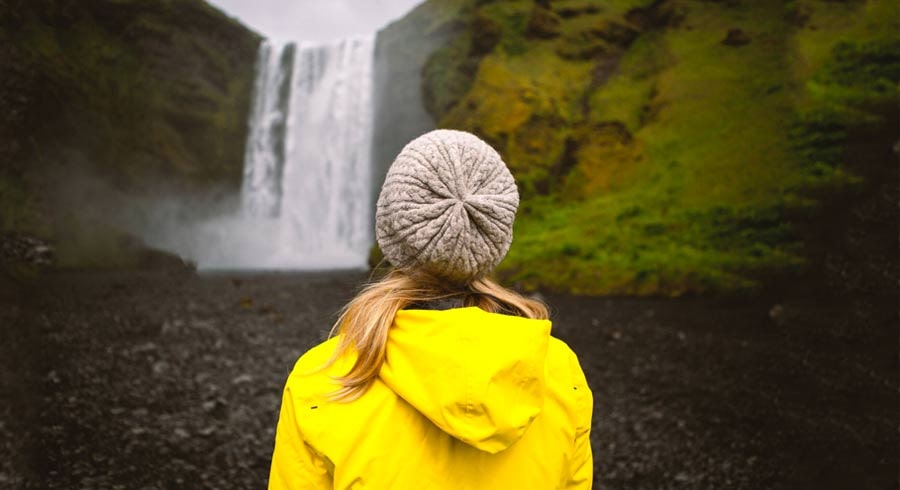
307	168
264	156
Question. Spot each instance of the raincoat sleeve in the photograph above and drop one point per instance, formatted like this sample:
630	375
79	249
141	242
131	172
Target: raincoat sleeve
295	464
582	467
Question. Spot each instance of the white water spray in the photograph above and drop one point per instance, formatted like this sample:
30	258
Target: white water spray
306	199
307	183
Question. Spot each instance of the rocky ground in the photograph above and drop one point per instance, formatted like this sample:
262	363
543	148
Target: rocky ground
167	379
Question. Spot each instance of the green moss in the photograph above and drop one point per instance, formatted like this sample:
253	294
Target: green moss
611	7
18	211
614	245
669	165
628	96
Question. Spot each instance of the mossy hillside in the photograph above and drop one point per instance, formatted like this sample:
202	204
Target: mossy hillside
850	74
131	92
669	162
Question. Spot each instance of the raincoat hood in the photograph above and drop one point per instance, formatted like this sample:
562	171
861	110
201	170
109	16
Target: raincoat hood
476	375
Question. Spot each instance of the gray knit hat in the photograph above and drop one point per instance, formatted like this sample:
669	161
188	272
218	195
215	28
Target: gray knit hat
447	206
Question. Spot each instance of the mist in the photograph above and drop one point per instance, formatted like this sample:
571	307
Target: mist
212	228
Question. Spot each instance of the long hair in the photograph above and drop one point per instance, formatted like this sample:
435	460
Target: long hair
363	325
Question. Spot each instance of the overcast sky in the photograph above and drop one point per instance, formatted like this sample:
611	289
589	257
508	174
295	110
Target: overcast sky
315	20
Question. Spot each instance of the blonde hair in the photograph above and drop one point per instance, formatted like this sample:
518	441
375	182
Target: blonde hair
363	325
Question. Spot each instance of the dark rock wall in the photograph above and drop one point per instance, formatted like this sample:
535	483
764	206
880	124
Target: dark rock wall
128	92
400	54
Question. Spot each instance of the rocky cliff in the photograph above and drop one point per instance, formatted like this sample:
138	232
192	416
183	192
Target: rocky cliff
401	50
671	146
124	92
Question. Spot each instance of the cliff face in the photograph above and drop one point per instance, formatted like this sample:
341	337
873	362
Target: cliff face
401	50
126	91
669	146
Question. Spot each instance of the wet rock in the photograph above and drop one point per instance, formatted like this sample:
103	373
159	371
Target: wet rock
736	37
27	249
798	13
160	367
615	33
143	348
203	324
609	38
657	16
583	45
207	431
486	33
567	12
543	23
778	314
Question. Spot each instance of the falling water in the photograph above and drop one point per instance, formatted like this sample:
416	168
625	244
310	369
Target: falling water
264	157
307	166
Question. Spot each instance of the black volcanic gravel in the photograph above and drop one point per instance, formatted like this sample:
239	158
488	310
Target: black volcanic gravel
168	379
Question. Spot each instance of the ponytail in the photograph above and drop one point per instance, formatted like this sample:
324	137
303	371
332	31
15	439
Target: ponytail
363	325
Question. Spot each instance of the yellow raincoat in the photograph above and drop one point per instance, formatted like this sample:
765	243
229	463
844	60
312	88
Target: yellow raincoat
466	399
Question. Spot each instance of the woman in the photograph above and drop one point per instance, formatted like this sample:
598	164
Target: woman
435	376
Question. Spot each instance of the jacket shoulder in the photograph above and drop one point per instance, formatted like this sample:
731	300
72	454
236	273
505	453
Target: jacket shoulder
316	356
564	372
311	374
562	359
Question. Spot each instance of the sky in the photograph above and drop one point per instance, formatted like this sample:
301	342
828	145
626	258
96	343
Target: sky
315	20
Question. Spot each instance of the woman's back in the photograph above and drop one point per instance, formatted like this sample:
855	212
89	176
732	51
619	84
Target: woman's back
477	396
465	399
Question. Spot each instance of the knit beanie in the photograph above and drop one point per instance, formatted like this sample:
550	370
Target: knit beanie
447	206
